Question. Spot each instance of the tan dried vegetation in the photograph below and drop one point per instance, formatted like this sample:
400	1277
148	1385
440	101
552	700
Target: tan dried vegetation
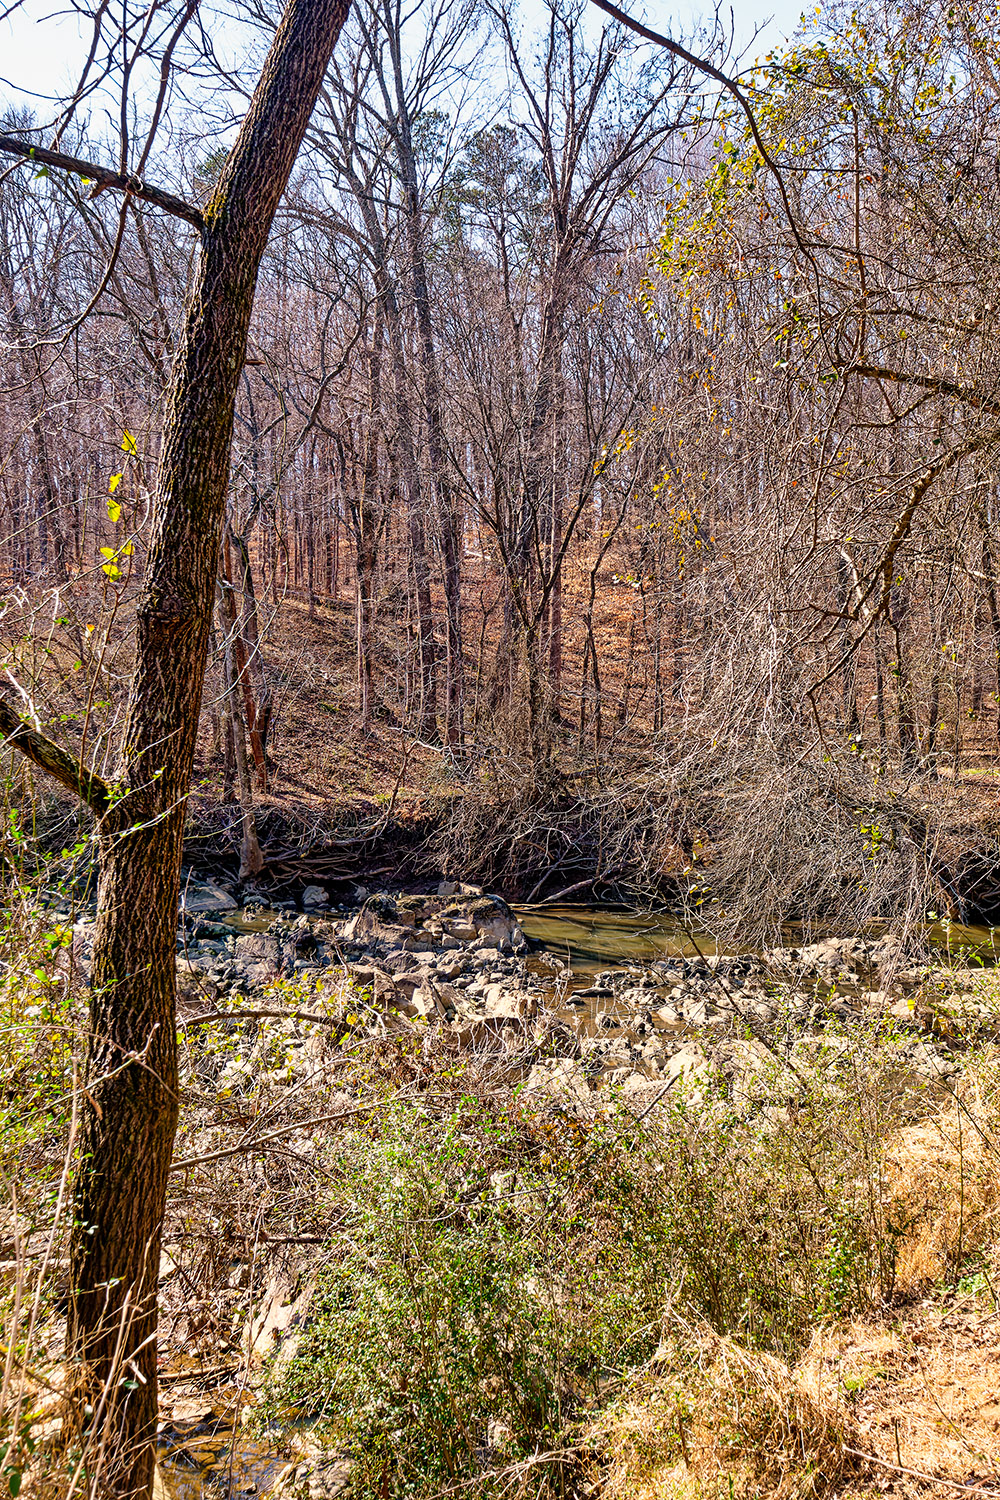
903	1404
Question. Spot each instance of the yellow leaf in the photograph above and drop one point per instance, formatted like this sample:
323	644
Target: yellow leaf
114	511
113	483
108	552
128	443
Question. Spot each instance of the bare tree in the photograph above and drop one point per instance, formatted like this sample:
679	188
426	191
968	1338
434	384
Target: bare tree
132	1069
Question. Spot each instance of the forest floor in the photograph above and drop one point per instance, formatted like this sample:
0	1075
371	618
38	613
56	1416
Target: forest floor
614	796
322	756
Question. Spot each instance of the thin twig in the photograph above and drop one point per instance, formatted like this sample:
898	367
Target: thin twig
187	1162
955	1484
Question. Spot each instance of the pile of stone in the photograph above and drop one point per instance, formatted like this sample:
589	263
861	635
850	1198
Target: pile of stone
456	959
448	957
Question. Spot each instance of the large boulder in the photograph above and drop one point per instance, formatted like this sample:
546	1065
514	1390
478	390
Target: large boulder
483	917
433	922
260	955
205	896
381	920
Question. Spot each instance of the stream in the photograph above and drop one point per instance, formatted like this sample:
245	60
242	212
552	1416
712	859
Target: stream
209	1461
592	938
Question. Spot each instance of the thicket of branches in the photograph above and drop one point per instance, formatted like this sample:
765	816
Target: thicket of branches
642	447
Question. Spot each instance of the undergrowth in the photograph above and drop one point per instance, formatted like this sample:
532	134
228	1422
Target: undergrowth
499	1271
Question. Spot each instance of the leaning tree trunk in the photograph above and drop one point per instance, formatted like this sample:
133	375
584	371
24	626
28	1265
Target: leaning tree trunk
131	1092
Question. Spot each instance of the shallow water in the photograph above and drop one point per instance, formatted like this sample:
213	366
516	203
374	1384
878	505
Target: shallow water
216	1466
591	938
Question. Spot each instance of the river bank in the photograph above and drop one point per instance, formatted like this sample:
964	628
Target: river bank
819	1075
833	848
593	1136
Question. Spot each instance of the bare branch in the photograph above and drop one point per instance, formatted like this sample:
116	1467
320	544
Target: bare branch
732	88
936	383
53	759
124	182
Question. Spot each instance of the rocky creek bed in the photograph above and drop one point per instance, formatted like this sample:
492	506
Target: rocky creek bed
457	959
454	971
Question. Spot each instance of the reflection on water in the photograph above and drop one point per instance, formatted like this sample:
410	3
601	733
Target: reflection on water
963	943
593	937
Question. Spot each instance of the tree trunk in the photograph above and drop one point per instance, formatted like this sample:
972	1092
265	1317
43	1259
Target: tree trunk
365	528
444	502
131	1093
555	537
426	700
883	732
989	576
243	630
251	859
906	718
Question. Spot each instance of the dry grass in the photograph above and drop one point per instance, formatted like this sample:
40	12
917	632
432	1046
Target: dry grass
923	1394
716	1419
906	1404
906	1409
942	1174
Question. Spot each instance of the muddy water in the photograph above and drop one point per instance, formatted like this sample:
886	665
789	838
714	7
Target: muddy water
592	938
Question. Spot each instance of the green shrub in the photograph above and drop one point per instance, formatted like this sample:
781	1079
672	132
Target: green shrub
496	1268
481	1290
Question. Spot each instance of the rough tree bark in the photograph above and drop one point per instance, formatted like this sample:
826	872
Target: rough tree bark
251	859
365	515
245	632
131	1092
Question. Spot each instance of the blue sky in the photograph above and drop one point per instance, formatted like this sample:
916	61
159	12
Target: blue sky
40	52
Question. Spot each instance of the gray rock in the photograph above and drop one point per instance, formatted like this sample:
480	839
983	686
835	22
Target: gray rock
450	968
381	919
206	896
668	1018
